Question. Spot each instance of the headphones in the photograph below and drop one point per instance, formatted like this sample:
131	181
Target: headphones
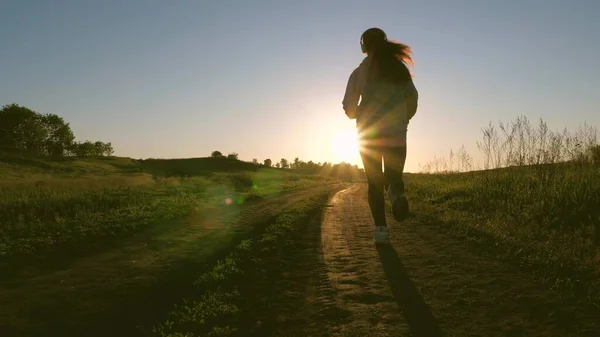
371	36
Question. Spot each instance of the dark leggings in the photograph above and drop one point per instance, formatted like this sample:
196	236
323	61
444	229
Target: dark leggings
394	158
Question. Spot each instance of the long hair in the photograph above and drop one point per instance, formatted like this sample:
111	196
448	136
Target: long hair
389	60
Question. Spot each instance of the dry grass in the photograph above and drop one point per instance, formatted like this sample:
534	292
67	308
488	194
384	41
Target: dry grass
537	200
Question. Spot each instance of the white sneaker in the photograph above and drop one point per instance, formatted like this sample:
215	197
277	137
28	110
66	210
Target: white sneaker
381	234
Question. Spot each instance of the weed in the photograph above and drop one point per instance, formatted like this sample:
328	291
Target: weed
535	201
222	305
64	212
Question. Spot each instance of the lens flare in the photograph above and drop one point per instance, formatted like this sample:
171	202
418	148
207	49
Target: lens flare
344	147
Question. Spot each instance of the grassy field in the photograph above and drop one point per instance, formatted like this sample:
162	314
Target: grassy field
229	299
126	247
543	219
88	242
536	201
549	225
71	205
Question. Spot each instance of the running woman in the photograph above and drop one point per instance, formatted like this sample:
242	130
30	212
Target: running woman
388	101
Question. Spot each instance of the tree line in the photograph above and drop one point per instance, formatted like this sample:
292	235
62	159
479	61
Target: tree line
25	131
342	170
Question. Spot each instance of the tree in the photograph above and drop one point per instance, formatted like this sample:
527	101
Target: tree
103	149
216	154
91	149
60	138
284	163
268	162
84	149
232	155
278	165
22	129
26	131
255	161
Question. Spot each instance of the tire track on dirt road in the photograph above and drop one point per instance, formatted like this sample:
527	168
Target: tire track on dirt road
424	284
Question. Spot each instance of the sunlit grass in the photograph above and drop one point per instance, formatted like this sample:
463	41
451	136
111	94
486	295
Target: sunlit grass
43	214
537	202
222	305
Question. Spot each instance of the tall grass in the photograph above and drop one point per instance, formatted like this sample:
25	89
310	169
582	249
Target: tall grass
459	161
539	190
519	143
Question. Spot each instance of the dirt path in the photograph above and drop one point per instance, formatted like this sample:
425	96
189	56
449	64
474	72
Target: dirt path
135	281
423	284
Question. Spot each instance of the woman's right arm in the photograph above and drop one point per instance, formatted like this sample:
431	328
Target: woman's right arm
352	95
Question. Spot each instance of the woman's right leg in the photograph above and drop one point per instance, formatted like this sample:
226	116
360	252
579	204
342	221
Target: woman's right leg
372	160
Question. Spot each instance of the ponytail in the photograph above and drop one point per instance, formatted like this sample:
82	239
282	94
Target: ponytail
401	51
390	61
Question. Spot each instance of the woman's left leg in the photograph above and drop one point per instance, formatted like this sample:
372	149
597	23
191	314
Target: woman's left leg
394	158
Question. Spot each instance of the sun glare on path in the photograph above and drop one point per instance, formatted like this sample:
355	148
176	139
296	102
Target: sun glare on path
344	147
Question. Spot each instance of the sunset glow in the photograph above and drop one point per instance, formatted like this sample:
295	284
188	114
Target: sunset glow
344	147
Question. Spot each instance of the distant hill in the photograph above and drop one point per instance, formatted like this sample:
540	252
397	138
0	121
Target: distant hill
23	166
195	166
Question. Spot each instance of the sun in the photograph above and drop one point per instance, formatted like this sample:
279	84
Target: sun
344	147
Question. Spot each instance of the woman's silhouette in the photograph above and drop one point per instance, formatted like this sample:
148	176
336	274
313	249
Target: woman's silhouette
388	100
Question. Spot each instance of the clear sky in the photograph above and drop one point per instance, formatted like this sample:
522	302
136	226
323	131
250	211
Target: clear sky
265	79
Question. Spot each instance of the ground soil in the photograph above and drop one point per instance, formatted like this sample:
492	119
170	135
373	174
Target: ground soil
425	283
334	282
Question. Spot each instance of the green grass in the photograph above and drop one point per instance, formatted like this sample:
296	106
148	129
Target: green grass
55	211
17	166
221	305
109	243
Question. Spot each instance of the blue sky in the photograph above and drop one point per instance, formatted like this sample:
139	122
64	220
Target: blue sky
266	78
